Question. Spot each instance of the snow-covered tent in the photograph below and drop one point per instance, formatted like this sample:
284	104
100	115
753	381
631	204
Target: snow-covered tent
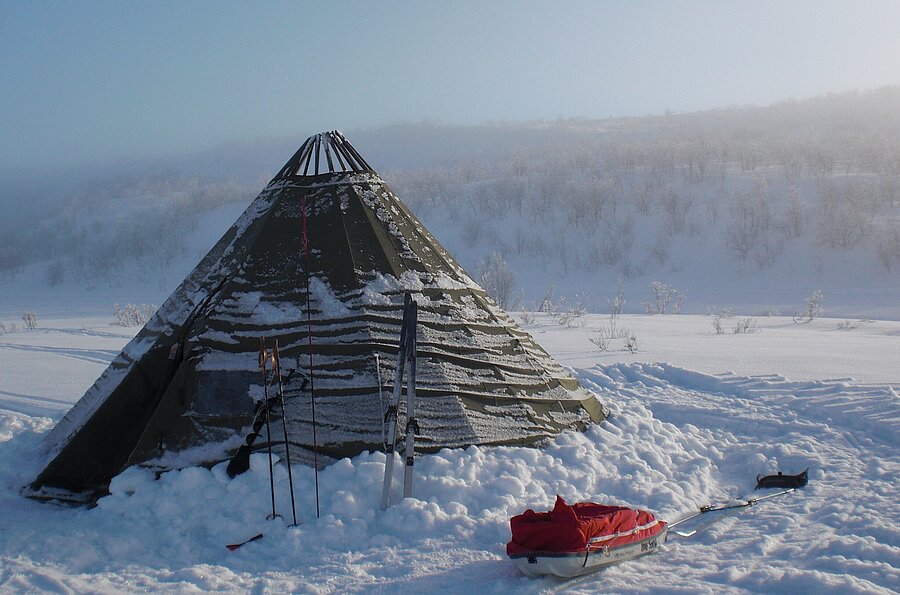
183	391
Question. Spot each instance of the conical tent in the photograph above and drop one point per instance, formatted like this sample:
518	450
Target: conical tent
320	261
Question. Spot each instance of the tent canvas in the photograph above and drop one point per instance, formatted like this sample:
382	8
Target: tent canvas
183	390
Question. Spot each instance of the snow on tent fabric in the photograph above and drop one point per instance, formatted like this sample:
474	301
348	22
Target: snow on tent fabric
183	391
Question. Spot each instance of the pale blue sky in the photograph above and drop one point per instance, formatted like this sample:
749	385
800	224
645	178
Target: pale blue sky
92	81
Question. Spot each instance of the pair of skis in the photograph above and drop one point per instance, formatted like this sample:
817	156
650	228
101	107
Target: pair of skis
406	362
784	483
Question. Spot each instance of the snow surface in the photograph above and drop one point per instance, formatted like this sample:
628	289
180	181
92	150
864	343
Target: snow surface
694	430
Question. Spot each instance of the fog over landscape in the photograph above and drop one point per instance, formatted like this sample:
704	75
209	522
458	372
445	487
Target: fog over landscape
746	208
576	149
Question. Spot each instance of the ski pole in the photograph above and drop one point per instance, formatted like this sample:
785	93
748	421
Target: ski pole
266	410
276	366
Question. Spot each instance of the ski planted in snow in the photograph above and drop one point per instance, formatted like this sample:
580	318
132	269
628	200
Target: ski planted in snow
406	356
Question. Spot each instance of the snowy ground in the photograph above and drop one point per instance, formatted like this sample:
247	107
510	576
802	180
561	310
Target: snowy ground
684	433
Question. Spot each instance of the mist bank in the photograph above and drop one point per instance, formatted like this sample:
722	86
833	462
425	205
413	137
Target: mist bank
753	208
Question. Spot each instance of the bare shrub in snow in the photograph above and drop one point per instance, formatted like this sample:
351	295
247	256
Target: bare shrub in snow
547	306
716	318
600	340
134	314
55	273
616	303
750	220
497	278
660	251
793	218
30	319
604	338
846	216
472	231
664	299
812	309
570	315
2	329
717	322
631	343
643	199
676	209
746	326
527	317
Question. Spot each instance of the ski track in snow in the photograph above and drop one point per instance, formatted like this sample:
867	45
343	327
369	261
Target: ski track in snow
676	439
99	356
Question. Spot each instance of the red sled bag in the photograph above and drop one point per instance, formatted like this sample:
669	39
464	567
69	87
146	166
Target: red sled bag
541	541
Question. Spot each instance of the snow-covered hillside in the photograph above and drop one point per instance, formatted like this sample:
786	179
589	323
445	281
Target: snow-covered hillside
681	434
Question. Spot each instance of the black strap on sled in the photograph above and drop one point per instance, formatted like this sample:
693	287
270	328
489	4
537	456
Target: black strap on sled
782	481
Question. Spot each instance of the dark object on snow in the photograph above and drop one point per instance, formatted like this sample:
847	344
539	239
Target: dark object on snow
782	481
482	380
234	546
573	540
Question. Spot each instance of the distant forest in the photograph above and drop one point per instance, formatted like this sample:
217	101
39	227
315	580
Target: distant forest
622	195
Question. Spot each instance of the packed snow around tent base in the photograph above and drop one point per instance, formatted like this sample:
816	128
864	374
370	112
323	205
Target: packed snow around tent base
677	438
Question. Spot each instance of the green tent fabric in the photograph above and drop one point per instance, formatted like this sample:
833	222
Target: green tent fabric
183	391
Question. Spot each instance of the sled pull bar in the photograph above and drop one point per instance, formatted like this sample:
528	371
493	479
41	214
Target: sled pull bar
740	504
790	483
